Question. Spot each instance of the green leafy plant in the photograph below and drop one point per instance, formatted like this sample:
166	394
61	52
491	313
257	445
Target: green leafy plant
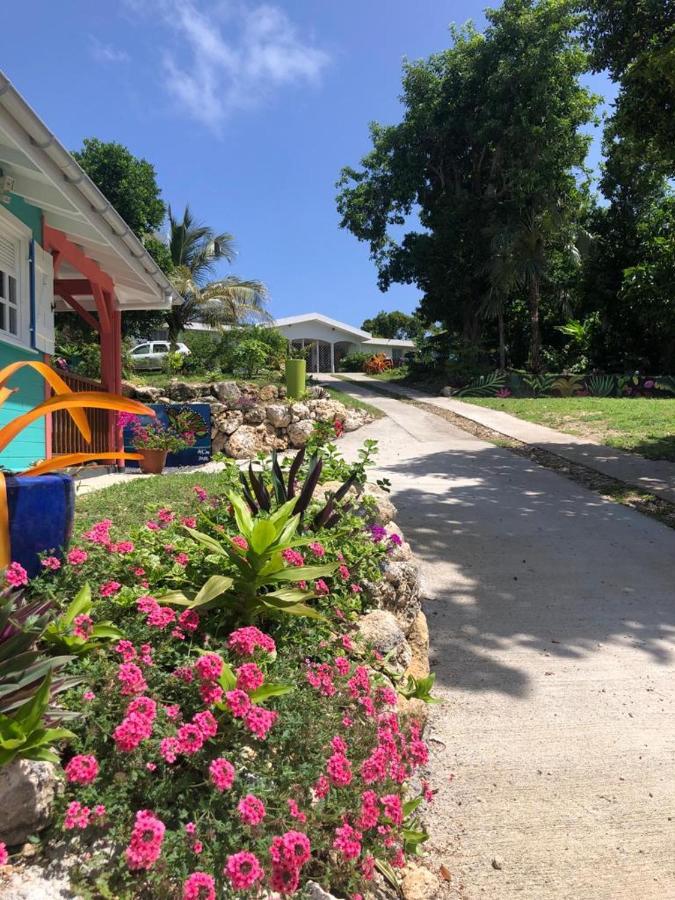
601	385
26	685
259	566
484	386
568	385
539	384
419	688
64	633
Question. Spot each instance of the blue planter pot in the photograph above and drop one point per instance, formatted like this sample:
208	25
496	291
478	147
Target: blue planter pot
41	514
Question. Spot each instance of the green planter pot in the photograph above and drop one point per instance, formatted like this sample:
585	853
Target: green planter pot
296	371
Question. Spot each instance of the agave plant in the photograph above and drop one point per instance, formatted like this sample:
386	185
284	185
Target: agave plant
257	589
27	682
258	496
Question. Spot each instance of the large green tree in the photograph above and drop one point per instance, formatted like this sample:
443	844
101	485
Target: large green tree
486	157
394	324
635	41
127	181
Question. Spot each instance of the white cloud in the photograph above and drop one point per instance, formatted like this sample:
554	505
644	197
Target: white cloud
106	53
232	57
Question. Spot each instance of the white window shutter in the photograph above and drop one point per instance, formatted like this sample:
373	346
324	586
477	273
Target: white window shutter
44	300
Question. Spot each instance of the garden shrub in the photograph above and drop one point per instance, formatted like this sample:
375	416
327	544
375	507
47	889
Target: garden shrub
214	757
377	363
354	362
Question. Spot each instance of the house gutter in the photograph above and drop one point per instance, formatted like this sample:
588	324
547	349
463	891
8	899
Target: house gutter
80	189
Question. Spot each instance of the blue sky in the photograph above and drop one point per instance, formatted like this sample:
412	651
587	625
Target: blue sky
248	111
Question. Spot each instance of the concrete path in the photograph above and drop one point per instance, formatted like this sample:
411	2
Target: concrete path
552	620
653	475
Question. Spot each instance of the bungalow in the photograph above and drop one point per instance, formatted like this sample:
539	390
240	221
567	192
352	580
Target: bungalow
62	247
330	340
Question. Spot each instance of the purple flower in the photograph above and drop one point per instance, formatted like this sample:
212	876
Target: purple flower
649	384
377	533
395	539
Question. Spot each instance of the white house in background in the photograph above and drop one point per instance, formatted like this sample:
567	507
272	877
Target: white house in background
330	340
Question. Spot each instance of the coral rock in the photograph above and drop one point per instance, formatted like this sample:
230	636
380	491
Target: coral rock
27	792
381	630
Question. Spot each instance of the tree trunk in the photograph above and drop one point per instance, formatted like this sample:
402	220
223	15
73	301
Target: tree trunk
173	330
534	298
502	344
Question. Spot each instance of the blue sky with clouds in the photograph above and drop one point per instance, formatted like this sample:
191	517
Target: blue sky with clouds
248	110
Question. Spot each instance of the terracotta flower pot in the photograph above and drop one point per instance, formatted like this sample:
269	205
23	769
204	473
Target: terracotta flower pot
153	461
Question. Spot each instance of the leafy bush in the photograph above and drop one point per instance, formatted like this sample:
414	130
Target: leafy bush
354	362
249	357
212	753
231	358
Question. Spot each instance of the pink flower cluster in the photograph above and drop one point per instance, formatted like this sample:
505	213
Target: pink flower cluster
245	641
99	533
293	557
145	845
243	870
83	626
51	562
221	773
16	575
199	886
78	816
289	853
251	810
82	769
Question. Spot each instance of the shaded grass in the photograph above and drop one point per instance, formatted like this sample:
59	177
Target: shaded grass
162	379
637	425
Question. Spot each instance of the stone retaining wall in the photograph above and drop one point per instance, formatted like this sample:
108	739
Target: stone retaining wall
247	419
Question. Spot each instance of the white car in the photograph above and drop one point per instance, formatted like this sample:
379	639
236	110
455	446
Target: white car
152	354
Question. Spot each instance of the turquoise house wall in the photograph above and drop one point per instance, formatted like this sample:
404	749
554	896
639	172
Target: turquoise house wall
30	215
30	445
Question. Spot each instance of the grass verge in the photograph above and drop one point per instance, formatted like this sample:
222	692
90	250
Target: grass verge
637	425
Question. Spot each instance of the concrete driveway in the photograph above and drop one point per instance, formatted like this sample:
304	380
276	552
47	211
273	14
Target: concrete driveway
552	620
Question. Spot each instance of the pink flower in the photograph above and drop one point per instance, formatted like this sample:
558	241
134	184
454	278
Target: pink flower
259	721
76	556
285	879
292	557
165	516
131	731
161	617
151	766
146	655
251	810
51	562
138	571
4	855
99	533
348	841
243	870
172	711
153	526
181	559
109	588
321	587
209	667
191	828
322	787
123	547
317	549
199	886
339	770
88	695
206	723
200	492
370	810
221	773
347	642
190	739
342	665
295	812
197	847
210	692
355	588
126	650
144	706
240	542
145	845
238	703
82	769
189	620
83	626
244	641
77	816
343	572
131	679
292	849
249	677
189	521
368	868
16	575
392	808
168	747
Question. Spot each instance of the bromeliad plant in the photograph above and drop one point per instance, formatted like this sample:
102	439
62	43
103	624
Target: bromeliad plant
264	555
259	497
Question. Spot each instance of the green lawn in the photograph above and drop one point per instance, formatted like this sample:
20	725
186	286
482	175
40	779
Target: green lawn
132	503
161	379
637	425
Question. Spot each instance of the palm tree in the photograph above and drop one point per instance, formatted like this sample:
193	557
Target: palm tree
195	249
